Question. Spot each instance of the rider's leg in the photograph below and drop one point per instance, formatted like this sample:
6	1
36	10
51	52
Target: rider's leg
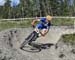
44	31
36	35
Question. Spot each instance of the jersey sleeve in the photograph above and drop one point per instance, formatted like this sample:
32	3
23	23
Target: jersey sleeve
43	19
49	24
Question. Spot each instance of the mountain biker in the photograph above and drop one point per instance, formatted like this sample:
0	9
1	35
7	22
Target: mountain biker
44	25
41	29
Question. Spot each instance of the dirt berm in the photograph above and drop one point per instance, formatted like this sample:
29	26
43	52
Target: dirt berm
11	39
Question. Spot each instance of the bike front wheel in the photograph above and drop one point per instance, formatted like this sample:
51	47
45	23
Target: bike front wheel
24	43
31	49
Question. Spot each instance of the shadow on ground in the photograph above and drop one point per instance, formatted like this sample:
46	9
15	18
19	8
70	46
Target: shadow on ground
34	47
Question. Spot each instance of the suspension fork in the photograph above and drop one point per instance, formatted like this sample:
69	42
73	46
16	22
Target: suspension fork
34	37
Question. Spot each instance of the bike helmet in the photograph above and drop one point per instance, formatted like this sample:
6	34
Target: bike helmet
49	18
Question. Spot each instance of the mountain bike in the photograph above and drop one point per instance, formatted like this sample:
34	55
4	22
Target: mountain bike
34	46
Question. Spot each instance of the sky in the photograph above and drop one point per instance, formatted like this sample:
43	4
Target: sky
71	2
2	2
13	2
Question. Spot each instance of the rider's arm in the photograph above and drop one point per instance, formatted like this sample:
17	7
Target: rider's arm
49	25
45	32
34	21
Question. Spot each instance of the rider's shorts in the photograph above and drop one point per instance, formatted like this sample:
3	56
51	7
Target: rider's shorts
41	26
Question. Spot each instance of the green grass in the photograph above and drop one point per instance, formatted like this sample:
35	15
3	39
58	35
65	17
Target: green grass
69	38
27	23
14	24
63	22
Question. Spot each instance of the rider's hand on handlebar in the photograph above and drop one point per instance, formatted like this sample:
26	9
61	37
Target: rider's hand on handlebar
33	26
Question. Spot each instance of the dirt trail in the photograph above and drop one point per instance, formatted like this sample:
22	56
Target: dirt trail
11	39
55	34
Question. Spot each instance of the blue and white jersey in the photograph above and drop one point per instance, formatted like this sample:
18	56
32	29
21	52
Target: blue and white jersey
43	24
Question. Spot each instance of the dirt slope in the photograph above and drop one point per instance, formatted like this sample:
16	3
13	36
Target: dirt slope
11	39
